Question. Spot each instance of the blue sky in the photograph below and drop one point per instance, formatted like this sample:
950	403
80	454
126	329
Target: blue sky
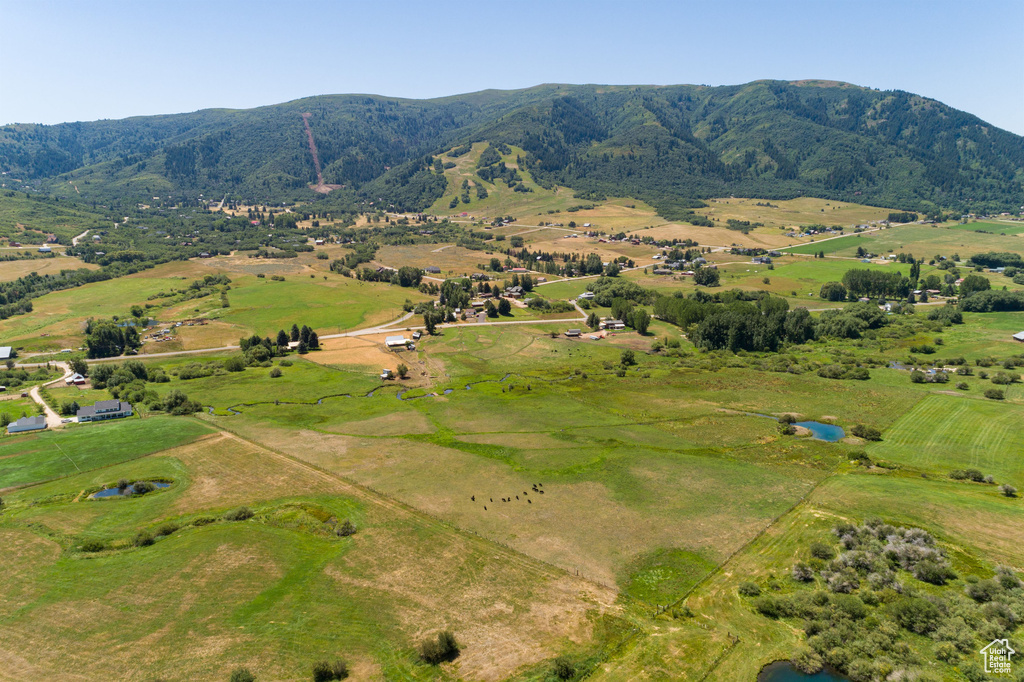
74	60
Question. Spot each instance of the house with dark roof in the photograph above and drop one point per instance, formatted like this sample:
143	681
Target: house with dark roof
27	424
104	409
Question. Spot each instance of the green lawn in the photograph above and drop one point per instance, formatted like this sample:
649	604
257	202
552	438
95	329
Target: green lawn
40	456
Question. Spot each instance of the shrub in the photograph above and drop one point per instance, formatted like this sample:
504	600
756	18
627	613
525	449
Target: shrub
934	573
93	546
326	671
142	539
787	419
142	487
821	550
285	363
1008	490
347	528
235	363
167	528
275	372
240	514
983	591
802	572
993	394
962	385
807	661
749	589
443	648
916	614
563	668
771	607
917	377
967	475
628	357
203	521
242	675
866	432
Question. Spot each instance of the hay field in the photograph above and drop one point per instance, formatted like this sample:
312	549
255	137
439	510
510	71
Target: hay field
11	270
794	212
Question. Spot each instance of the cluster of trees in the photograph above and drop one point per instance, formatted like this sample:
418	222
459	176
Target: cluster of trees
623	309
998	260
993	301
305	336
876	283
761	325
866	598
901	217
107	338
756	321
405	276
607	289
129	381
706	277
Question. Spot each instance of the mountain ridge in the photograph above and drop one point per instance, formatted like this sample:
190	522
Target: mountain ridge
667	144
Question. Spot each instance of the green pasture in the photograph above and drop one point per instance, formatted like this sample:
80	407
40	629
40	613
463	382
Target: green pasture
61	315
42	217
990	226
829	245
927	241
302	382
39	456
941	433
728	640
261	592
329	306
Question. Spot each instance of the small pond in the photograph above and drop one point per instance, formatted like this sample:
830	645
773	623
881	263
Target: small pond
783	671
114	492
826	432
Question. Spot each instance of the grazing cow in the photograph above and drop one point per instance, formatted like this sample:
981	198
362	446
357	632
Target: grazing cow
492	499
541	492
485	507
473	498
517	497
530	501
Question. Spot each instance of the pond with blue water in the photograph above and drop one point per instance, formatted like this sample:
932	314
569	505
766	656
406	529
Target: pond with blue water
784	671
127	492
826	432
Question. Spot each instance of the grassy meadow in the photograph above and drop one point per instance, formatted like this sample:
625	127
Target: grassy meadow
529	492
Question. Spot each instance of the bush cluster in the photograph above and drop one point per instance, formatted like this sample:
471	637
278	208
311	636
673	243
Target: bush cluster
863	607
440	649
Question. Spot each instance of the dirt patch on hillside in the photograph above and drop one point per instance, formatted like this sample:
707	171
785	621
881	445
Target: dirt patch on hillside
351	350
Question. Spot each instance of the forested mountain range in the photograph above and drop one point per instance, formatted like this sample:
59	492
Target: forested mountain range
670	145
